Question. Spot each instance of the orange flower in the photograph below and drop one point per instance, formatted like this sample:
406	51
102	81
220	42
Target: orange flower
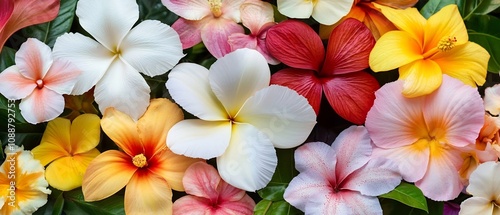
146	167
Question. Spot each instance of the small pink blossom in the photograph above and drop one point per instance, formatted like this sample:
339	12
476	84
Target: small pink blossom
209	194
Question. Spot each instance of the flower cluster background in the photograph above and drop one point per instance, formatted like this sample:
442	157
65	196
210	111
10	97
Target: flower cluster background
274	107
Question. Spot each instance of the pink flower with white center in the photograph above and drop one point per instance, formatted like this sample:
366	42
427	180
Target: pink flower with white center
209	194
258	17
210	21
342	178
39	80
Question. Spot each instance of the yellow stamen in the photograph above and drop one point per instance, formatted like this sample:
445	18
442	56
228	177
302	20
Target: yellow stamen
140	161
447	43
216	7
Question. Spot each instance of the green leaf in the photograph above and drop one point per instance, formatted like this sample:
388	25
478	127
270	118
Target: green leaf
408	194
468	8
7	58
485	31
266	207
112	205
59	204
434	6
154	9
49	31
285	171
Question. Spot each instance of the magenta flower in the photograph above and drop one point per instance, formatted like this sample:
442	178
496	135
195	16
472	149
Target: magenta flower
209	194
341	178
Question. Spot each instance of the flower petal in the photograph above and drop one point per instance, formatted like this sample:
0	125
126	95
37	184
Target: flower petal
107	174
153	126
14	85
329	12
62	76
215	35
455	109
395	120
345	202
296	44
189	9
202	180
192	205
108	21
491	100
231	10
34	59
122	129
412	160
67	173
398	46
351	95
476	205
279	112
316	157
420	77
147	193
85	133
189	31
305	187
55	142
349	47
482	181
199	139
255	14
86	54
152	48
304	82
468	63
408	20
41	106
296	8
245	205
123	88
5	14
237	76
197	99
447	22
250	160
377	177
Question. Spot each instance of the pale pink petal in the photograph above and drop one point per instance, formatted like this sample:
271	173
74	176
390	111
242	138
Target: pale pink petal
189	9
189	31
353	148
231	10
377	177
255	14
197	99
240	40
296	8
250	160
243	206
457	109
411	160
306	187
86	54
237	76
443	166
281	113
477	205
62	76
328	12
201	179
33	59
395	120
199	139
15	86
215	34
344	202
108	21
317	157
152	48
41	106
123	88
483	182
192	205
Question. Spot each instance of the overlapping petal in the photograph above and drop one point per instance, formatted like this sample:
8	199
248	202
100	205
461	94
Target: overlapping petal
306	187
353	149
61	77
54	142
421	77
256	14
41	106
398	46
410	157
85	133
148	194
231	9
215	33
202	181
189	31
329	12
377	177
296	8
120	128
34	59
14	84
482	182
189	9
408	20
477	206
312	157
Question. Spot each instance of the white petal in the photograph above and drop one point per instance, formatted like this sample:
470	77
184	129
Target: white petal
296	8
304	187
108	21
379	176
123	88
13	85
188	85
476	205
86	54
483	182
281	113
41	106
317	157
237	76
329	12
152	48
344	202
492	99
199	139
250	160
33	59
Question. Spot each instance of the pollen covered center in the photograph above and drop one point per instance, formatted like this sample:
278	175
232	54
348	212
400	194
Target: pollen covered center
215	7
140	161
447	43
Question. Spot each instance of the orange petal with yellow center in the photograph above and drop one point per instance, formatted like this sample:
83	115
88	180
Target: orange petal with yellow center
85	133
171	167
421	77
122	130
107	174
148	193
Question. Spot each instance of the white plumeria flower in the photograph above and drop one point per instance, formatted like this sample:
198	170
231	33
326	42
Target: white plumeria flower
242	118
326	12
492	102
484	187
113	63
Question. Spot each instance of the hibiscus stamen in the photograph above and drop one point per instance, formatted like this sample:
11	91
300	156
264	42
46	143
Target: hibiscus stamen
39	83
140	160
216	7
447	43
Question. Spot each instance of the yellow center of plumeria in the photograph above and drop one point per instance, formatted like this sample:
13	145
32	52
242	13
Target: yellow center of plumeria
140	161
215	7
39	83
447	43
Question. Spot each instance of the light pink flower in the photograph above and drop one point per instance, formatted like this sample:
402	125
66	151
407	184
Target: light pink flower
424	134
258	17
39	80
210	21
341	178
209	194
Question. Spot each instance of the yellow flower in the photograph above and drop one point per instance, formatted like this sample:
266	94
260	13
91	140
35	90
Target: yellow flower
23	189
424	50
69	148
